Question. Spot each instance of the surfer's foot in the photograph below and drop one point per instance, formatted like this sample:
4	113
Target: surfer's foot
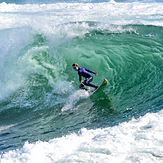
96	87
85	89
82	87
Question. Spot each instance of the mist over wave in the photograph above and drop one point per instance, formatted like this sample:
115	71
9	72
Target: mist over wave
74	1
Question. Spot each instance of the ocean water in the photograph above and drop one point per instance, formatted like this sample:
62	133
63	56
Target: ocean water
45	117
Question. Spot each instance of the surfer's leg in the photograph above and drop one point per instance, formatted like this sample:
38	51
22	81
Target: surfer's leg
91	85
87	82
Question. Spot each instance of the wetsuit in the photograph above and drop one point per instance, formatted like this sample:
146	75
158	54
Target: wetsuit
85	73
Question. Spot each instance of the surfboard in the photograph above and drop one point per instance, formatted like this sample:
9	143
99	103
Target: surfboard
102	86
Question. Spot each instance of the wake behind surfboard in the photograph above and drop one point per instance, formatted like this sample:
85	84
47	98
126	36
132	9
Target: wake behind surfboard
102	86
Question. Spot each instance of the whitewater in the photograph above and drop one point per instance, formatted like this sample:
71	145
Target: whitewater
45	117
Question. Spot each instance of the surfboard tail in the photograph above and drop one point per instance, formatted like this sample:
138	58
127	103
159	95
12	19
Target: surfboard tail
102	86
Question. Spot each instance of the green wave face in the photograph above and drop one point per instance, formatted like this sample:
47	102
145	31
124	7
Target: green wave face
38	81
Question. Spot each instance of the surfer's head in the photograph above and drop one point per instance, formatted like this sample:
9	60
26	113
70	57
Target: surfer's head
75	66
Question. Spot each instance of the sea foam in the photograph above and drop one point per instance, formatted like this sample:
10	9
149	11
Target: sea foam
139	140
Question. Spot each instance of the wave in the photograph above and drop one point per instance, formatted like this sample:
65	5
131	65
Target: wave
138	140
38	78
40	97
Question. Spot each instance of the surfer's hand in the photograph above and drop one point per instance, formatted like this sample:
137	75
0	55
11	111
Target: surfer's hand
81	81
96	73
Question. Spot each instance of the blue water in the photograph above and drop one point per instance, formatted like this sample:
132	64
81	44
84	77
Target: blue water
45	117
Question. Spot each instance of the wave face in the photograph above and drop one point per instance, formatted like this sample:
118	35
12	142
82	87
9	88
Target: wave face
41	106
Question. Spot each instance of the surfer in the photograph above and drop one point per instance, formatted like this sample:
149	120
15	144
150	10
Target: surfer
85	73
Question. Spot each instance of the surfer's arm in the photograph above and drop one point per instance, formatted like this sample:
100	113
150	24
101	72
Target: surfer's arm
80	77
91	71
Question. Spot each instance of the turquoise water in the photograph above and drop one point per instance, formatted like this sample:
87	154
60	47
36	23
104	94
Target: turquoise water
42	109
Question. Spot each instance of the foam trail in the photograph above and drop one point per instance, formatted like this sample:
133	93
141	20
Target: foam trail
74	98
